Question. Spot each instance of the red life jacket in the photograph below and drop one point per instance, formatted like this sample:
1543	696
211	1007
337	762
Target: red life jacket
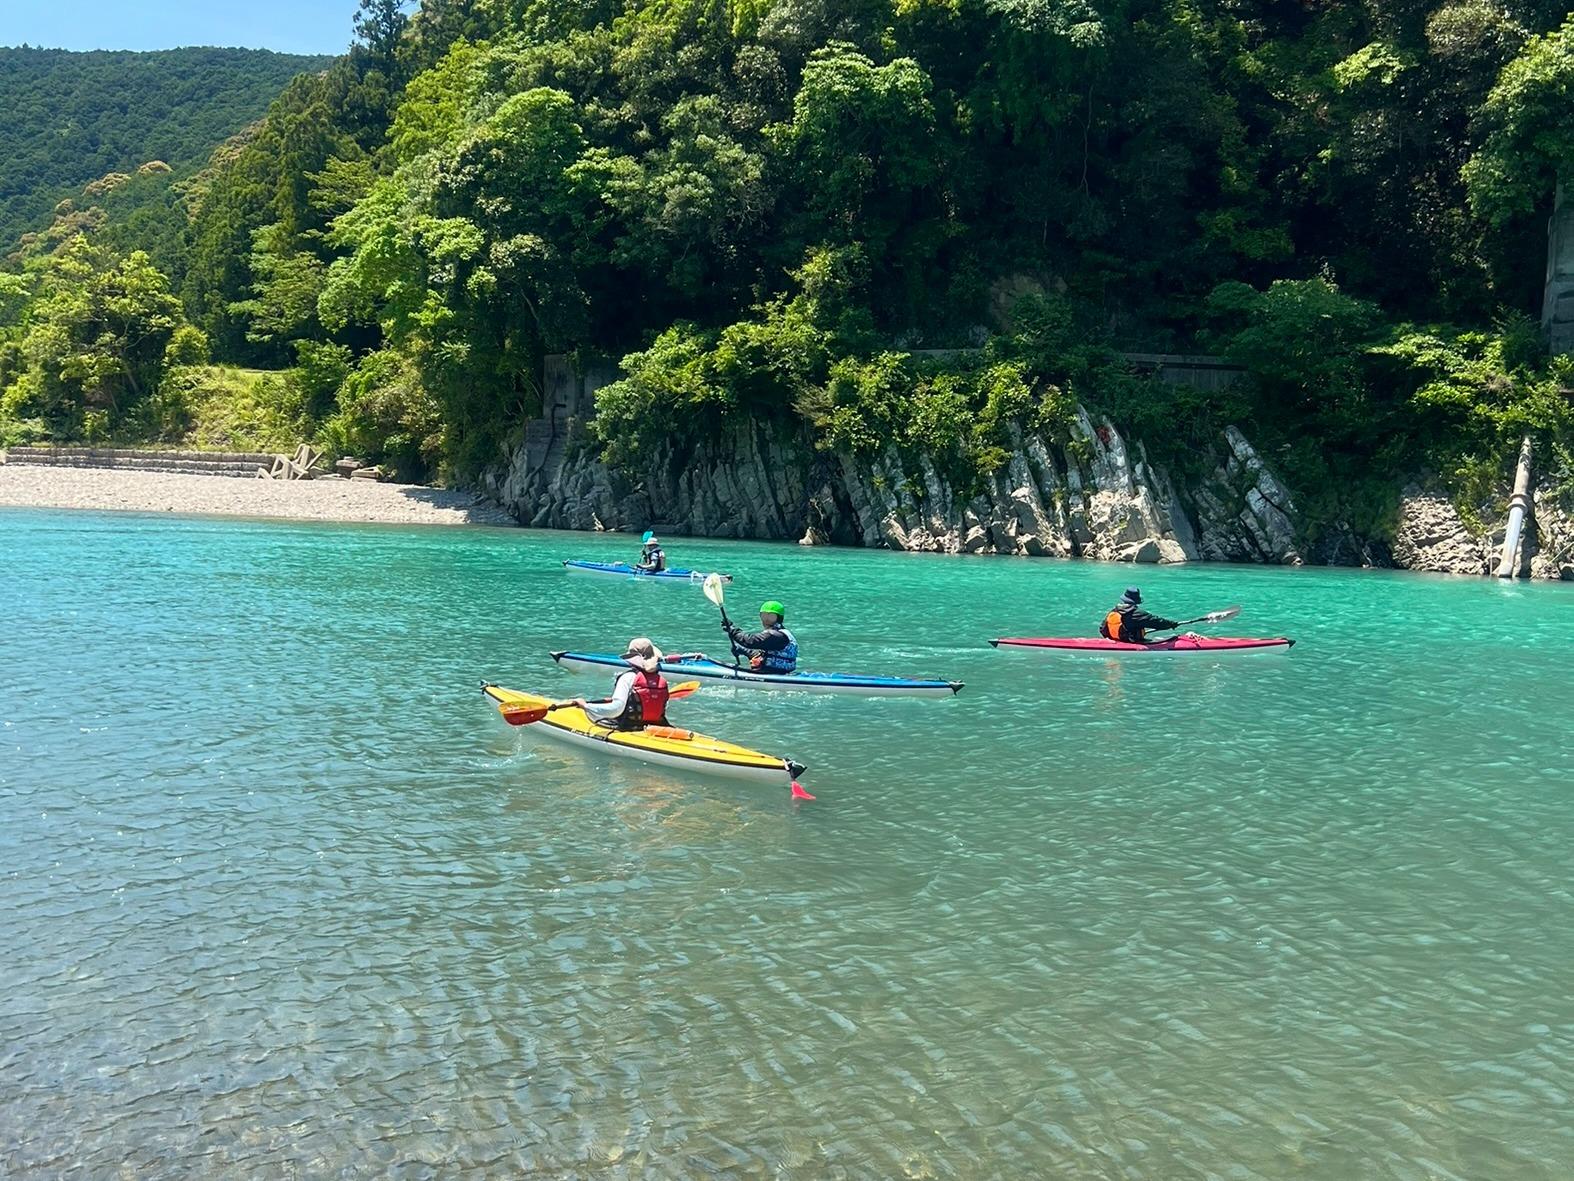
647	700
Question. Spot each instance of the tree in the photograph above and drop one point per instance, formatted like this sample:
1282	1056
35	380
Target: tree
379	28
1527	143
94	340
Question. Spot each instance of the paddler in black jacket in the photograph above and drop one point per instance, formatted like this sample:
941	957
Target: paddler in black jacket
772	649
1128	623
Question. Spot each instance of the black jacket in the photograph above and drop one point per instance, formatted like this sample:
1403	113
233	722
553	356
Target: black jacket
771	640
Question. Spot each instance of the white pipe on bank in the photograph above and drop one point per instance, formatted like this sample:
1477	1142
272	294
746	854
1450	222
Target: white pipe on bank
1507	567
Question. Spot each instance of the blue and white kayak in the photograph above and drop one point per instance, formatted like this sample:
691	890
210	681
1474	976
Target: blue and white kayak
743	678
624	570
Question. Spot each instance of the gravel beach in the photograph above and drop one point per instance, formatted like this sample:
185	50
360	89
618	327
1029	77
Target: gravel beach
26	486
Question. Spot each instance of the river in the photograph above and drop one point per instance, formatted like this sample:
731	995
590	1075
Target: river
283	896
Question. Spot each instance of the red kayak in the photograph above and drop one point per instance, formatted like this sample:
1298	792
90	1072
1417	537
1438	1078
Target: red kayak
1202	644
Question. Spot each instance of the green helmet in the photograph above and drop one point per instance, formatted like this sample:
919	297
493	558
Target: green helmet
772	607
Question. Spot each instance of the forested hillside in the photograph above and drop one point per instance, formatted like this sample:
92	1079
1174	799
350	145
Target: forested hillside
773	208
71	118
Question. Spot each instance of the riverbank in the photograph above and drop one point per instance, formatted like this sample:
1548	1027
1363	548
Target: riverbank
24	486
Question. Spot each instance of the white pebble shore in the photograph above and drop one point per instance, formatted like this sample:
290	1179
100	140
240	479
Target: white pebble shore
27	486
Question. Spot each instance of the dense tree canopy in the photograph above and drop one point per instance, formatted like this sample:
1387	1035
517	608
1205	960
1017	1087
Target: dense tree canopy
774	207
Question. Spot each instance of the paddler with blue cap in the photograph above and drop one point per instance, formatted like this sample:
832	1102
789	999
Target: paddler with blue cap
652	560
1128	623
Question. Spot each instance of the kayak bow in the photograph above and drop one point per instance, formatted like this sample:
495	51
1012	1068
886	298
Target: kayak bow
801	682
1200	645
662	746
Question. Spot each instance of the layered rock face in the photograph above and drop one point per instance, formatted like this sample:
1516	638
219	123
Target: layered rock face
1096	495
1432	536
1550	544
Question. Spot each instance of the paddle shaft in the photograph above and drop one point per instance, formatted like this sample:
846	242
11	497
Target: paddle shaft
512	711
1210	617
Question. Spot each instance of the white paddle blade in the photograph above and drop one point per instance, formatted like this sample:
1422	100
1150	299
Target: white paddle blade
713	589
1227	613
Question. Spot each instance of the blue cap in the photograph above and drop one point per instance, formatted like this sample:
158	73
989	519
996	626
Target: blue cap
1132	595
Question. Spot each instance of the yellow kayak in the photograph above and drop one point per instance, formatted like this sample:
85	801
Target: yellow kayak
664	746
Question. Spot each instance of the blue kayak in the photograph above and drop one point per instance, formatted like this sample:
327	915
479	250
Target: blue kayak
624	570
743	678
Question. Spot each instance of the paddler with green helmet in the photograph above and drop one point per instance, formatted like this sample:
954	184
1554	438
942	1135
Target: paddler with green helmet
772	649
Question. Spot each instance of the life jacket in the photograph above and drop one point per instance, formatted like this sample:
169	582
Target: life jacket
647	701
1114	628
785	661
653	556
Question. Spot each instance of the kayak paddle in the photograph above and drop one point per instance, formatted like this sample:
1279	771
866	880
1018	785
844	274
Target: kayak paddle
715	593
1212	616
524	715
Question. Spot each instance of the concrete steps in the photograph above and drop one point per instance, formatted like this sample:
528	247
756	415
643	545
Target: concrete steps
240	464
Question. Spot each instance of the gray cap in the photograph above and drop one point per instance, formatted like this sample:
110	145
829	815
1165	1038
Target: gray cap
643	655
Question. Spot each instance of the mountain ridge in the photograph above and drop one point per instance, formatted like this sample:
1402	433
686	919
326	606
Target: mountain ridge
77	116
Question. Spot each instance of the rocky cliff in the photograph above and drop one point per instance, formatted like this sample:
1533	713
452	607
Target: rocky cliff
1095	495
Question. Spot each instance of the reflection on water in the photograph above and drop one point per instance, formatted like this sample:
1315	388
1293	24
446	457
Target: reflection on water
284	897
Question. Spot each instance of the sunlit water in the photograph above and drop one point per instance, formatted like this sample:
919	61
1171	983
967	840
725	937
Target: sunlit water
282	896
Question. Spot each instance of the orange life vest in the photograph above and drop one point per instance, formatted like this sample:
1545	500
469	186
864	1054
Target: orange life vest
1114	628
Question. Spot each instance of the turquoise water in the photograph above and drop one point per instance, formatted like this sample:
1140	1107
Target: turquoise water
284	897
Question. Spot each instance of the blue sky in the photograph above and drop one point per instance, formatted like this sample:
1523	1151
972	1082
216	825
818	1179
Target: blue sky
290	26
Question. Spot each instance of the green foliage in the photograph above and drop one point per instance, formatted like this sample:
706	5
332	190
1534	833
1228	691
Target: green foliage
69	122
879	224
320	372
959	411
187	346
230	409
1528	143
1301	340
1480	392
91	343
287	284
386	416
436	103
667	392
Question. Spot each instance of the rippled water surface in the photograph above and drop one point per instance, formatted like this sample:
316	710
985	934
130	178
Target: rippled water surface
282	896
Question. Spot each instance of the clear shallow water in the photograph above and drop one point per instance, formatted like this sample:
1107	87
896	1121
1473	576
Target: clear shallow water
280	895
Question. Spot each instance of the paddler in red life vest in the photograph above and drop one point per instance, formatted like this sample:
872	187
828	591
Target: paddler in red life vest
1128	623
639	696
772	649
652	559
